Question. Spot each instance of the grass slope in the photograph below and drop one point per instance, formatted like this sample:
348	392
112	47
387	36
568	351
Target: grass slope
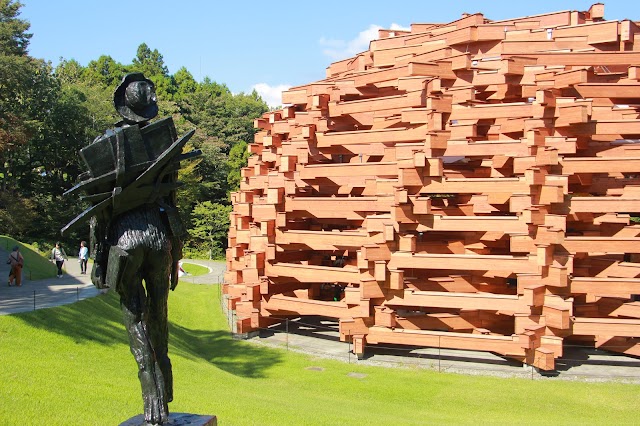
36	267
71	365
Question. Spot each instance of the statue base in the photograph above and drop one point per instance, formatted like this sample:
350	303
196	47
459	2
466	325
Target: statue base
176	419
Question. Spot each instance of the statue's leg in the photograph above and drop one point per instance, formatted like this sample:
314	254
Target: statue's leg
156	277
134	303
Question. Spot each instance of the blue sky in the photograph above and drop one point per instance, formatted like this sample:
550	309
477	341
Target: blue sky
267	45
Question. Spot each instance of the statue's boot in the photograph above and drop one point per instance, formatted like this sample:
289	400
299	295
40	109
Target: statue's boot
156	410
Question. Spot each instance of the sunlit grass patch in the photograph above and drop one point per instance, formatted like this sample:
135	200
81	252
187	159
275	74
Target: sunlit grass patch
194	270
71	365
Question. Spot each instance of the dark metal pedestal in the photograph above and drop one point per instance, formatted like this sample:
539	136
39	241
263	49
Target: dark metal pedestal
176	419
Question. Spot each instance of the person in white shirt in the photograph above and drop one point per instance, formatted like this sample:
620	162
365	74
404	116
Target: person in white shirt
58	256
83	256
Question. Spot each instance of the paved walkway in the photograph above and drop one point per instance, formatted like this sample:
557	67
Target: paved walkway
45	293
73	286
319	337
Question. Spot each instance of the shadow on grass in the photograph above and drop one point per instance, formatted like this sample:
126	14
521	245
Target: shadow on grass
217	347
99	320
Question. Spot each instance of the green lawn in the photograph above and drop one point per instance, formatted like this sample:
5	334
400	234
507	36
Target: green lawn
71	365
193	269
36	267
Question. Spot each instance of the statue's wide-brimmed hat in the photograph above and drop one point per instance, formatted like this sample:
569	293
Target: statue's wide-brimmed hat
133	108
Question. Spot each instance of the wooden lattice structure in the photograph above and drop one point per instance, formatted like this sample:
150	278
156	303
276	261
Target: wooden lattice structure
466	185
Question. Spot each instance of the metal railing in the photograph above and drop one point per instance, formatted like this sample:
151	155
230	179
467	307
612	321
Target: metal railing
581	362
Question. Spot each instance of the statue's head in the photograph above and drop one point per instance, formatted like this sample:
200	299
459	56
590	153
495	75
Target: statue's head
135	99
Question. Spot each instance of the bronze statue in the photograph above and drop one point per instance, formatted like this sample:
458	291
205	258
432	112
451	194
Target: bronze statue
136	232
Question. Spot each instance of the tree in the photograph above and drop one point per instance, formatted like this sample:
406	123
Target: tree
14	39
218	113
224	121
27	94
17	215
238	158
105	71
16	74
243	109
212	169
69	72
150	62
209	231
185	83
47	116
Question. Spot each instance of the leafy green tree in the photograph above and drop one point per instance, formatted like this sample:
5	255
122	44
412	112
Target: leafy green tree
189	193
209	230
218	113
24	163
105	71
150	62
185	84
97	99
28	93
212	170
238	158
15	126
48	164
16	73
242	109
223	121
43	123
17	215
47	116
14	38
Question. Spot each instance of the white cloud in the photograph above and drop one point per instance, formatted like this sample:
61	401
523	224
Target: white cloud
272	95
398	27
341	49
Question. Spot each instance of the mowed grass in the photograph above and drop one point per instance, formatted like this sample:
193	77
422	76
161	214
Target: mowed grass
36	267
71	365
194	270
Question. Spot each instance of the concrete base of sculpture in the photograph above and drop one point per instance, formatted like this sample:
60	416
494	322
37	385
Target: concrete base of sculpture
176	419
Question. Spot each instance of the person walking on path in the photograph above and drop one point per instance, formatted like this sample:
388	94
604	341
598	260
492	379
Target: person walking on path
58	256
83	257
15	262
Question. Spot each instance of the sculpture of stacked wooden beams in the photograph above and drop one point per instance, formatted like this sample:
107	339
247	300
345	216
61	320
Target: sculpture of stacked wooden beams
468	185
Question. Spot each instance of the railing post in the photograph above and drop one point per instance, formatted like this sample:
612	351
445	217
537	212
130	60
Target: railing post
287	332
532	367
439	354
